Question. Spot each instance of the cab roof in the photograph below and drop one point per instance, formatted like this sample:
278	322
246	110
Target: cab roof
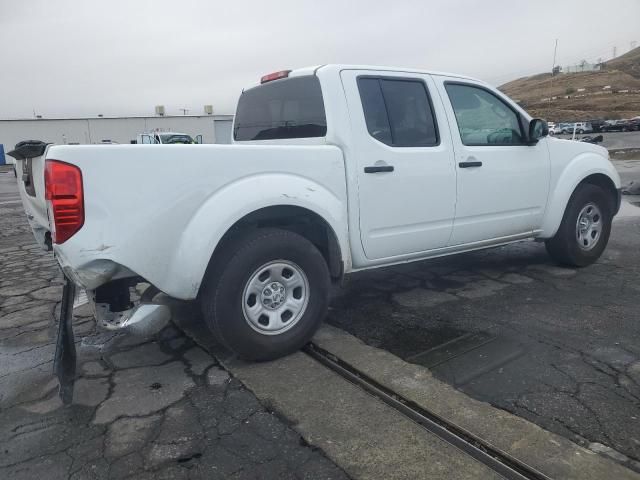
340	67
335	67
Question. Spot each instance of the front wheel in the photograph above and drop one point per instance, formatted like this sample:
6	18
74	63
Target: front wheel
585	228
267	294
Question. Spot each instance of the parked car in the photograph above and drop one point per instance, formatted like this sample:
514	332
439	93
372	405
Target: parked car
596	124
553	128
334	169
565	128
581	127
624	125
167	138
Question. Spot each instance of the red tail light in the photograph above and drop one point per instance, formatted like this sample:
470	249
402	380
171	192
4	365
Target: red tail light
65	199
275	76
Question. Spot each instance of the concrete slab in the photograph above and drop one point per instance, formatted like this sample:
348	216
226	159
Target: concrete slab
365	437
362	435
552	454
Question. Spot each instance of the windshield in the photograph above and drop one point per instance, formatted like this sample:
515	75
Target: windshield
289	108
173	138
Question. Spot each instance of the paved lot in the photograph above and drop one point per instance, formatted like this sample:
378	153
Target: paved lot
559	347
144	407
556	346
615	140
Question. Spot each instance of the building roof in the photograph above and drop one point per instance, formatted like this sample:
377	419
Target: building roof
215	117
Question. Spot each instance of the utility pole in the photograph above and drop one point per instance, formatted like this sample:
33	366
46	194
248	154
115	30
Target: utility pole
553	69
615	49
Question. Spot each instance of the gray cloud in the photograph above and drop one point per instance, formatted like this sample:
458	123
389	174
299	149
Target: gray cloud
75	57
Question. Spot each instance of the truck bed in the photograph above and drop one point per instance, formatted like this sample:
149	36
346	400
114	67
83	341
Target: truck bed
157	211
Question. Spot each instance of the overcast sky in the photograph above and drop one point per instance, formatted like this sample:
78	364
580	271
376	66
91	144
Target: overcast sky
118	57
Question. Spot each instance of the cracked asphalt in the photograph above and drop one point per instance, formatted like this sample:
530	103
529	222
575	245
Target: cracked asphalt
156	408
557	346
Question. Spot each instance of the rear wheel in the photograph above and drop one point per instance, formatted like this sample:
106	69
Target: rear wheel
585	228
267	294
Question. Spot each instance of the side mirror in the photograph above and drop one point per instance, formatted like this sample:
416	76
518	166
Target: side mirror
537	129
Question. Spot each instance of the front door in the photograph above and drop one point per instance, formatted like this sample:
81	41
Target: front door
405	172
502	183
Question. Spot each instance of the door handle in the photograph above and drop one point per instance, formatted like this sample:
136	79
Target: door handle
470	164
378	168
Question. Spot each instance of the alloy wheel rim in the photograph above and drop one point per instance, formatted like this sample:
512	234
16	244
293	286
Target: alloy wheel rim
275	297
589	226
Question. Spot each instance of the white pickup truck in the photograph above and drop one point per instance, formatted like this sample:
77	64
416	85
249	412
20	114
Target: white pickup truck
334	169
166	138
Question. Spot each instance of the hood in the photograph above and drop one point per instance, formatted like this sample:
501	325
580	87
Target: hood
564	148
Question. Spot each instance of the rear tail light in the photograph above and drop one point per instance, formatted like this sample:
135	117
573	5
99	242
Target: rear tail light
65	199
275	76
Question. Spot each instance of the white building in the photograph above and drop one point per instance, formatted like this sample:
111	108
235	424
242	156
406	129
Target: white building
213	128
583	66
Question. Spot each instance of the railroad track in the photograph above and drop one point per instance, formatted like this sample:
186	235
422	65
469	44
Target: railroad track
494	458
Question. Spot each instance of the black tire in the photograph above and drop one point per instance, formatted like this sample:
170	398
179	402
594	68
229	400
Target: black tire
580	131
564	246
223	291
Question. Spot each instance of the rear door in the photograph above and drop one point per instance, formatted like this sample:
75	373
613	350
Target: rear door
502	182
405	173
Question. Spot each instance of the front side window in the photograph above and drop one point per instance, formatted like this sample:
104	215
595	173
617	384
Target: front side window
483	118
398	112
282	109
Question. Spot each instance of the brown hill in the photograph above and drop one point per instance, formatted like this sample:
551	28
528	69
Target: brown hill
561	98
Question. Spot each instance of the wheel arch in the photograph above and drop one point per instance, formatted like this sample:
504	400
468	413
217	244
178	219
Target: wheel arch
300	220
273	195
603	181
586	170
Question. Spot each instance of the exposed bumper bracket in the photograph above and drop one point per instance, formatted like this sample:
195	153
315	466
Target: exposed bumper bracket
142	319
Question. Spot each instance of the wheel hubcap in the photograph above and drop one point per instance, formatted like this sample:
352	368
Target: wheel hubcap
589	226
275	297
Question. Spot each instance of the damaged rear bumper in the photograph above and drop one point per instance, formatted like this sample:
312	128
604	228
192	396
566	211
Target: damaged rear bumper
93	274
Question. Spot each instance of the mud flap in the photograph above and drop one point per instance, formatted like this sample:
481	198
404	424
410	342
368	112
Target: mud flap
64	364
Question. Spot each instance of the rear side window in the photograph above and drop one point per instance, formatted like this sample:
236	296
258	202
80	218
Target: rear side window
398	112
288	108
